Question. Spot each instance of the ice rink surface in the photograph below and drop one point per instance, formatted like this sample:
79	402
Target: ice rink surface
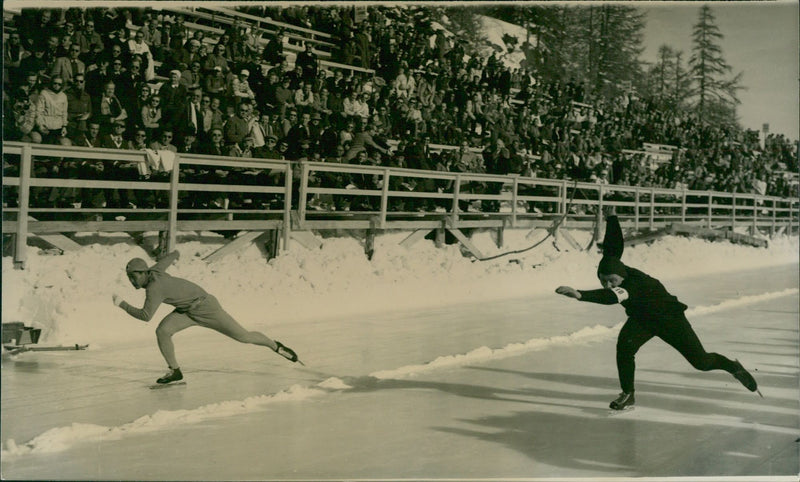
510	389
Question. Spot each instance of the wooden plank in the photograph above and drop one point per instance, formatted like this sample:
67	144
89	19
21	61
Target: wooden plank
646	238
56	240
466	243
307	239
241	241
414	237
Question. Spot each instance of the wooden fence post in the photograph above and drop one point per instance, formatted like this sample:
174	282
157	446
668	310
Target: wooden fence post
384	198
652	208
636	208
710	202
287	206
733	212
456	195
683	206
25	167
173	205
514	189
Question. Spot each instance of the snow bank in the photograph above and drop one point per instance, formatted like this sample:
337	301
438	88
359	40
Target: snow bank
69	296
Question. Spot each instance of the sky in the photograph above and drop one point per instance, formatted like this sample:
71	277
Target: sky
760	40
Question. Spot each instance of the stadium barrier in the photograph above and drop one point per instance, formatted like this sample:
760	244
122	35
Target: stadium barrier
230	195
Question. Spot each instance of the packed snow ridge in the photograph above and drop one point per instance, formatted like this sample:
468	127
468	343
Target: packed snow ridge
69	296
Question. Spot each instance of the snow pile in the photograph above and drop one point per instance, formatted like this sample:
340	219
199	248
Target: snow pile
69	296
61	438
496	32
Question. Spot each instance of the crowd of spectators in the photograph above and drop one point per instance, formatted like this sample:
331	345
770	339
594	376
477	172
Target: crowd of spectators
141	79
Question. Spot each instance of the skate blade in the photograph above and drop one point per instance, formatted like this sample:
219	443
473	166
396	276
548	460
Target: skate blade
300	362
759	393
159	386
612	412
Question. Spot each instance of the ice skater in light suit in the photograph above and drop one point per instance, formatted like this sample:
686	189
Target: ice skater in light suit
193	307
652	311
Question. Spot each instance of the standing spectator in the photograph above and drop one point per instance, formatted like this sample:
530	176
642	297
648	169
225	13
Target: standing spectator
137	46
52	113
13	53
173	95
79	106
308	62
189	120
215	82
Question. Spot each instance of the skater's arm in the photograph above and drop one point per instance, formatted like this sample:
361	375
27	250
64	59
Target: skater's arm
146	312
613	243
167	260
604	296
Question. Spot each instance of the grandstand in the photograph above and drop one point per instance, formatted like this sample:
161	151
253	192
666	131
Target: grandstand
311	117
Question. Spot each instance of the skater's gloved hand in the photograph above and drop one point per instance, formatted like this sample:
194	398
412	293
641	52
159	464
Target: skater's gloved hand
568	292
117	299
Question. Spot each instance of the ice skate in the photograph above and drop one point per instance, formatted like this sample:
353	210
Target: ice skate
624	401
173	375
746	379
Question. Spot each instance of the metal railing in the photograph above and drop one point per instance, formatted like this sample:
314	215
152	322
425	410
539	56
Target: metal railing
267	195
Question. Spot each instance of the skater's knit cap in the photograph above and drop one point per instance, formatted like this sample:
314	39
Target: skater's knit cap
611	265
136	264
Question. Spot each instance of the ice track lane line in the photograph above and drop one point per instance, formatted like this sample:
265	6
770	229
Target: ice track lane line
62	438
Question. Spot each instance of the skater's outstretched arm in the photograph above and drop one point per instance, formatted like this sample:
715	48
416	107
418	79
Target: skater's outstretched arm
166	261
605	296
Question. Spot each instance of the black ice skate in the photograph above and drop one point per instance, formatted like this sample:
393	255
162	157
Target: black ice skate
746	379
173	375
624	401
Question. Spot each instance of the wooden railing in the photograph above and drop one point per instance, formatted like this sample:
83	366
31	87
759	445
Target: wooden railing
344	196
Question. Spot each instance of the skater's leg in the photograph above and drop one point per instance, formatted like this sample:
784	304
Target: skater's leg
631	337
225	324
171	324
678	333
211	315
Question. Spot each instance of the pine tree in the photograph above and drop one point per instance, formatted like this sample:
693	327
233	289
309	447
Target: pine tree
715	95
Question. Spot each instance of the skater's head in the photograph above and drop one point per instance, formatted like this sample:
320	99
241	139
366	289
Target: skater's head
611	272
137	271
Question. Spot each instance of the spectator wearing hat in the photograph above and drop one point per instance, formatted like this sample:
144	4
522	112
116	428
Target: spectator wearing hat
239	87
269	150
215	83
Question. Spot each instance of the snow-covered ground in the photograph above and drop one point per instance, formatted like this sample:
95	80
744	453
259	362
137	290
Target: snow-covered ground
69	296
389	322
